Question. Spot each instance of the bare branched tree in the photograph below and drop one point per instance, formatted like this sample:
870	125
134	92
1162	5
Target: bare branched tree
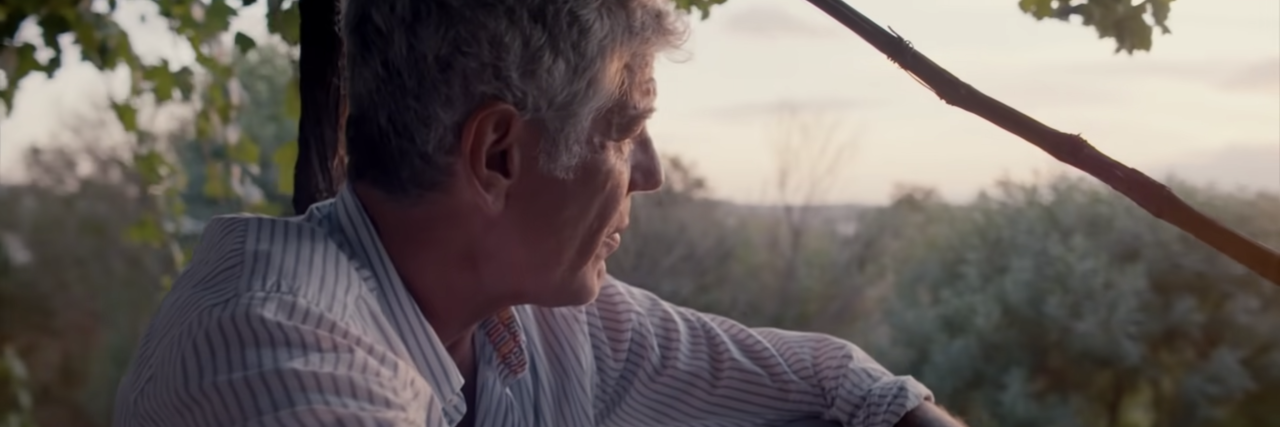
811	150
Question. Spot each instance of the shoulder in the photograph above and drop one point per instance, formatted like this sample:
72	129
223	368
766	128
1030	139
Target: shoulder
616	300
252	269
246	254
613	313
267	358
620	316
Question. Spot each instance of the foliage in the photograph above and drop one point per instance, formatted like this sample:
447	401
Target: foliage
255	176
952	288
1065	302
723	258
73	306
16	407
1131	24
212	86
92	26
673	237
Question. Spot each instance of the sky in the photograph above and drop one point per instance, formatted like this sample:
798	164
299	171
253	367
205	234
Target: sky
761	75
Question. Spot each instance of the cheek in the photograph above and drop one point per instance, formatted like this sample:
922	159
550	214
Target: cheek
609	193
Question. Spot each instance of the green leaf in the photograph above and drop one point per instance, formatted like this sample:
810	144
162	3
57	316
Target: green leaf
1040	9
216	99
1131	24
118	49
703	6
16	64
184	81
245	43
53	25
217	18
245	151
204	126
146	231
1160	13
215	181
287	23
285	158
161	80
151	166
266	208
128	116
293	100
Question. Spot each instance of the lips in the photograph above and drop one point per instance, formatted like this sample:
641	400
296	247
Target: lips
611	243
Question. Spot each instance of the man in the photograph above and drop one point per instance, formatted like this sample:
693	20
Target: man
459	278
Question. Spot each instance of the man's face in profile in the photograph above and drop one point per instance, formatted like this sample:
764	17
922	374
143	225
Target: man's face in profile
561	231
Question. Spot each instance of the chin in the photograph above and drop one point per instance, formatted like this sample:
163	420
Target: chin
581	289
587	286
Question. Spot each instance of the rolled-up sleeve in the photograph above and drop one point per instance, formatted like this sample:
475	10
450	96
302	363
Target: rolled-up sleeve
659	364
271	360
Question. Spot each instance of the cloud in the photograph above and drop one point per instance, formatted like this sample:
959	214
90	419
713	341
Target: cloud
1259	76
773	21
1249	165
768	110
1262	77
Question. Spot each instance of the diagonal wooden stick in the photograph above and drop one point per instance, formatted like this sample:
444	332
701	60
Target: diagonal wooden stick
1149	194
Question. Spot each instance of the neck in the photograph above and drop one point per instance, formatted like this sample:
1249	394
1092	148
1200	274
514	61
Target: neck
438	264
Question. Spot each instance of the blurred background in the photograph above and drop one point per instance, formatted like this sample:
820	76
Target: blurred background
811	185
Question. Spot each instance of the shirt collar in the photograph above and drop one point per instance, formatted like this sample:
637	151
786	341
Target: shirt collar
503	331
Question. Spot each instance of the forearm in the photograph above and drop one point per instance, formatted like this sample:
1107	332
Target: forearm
713	369
928	415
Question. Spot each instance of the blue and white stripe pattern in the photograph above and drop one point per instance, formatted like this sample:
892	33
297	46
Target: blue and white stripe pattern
303	322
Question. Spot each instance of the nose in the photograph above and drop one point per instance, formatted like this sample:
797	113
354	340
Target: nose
646	167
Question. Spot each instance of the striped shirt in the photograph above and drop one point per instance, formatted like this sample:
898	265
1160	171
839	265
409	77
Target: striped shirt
303	322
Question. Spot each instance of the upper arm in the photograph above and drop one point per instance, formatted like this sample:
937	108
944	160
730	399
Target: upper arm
275	360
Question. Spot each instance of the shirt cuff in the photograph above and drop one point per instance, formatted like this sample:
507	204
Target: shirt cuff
888	400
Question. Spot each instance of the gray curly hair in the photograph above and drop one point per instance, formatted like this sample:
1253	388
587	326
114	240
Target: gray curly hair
416	69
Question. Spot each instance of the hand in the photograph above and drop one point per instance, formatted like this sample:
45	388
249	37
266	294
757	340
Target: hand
928	415
925	415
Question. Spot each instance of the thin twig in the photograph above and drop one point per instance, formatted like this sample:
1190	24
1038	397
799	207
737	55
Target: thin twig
1149	194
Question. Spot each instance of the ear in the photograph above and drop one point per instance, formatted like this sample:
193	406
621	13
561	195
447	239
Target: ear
490	156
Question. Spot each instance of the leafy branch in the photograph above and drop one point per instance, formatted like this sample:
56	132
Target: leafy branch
209	85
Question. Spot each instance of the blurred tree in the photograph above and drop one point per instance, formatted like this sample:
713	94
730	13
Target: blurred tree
1063	303
80	282
724	258
254	177
16	407
809	150
674	235
209	85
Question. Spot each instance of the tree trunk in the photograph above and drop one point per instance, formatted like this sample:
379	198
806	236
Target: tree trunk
317	174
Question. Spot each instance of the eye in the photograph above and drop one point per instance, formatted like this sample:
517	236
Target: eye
627	130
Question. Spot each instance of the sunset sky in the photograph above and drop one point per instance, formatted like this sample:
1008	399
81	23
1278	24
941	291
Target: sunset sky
1204	104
